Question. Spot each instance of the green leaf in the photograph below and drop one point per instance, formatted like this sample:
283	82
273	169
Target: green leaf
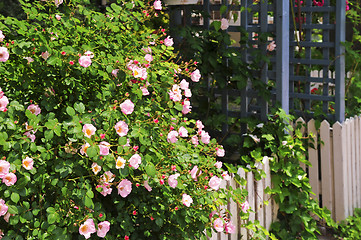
15	197
52	218
223	9
150	169
12	209
79	107
88	202
92	151
70	111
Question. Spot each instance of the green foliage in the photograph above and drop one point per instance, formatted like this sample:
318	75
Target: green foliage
350	229
291	188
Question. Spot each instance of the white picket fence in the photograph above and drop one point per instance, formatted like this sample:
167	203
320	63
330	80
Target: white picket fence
335	177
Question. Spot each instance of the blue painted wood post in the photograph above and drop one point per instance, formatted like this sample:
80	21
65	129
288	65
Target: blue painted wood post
282	52
340	60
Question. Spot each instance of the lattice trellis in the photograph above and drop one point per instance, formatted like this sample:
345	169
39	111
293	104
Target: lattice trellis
307	68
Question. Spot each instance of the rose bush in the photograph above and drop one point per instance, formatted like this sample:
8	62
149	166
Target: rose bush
94	135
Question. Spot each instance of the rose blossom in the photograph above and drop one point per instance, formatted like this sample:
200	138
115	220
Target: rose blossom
214	182
226	176
2	36
271	46
172	136
120	163
107	177
205	137
87	228
245	206
9	179
96	168
218	164
58	2
145	91
157	5
193	173
183	132
184	84
104	148
84	148
186	107
103	228
4	54
58	17
230	228
196	75
121	128
195	140
218	225
188	93
85	61
4	101
220	152
4	168
135	161
106	189
127	107
3	207
115	72
168	41
172	180
224	24
45	55
89	130
186	200
146	185
148	57
30	135
28	163
7	217
124	188
34	109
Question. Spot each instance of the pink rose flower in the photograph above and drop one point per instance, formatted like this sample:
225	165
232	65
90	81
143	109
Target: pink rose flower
220	152
224	24
172	180
157	5
127	107
135	161
184	84
58	2
124	188
199	125
7	217
120	163
172	136
4	168
2	36
107	177
212	214
271	46
103	228
168	41
34	109
186	200
245	206
84	148
230	228
226	176
148	57
147	50
145	91
106	189
196	75
188	93
30	135
28	163
121	128
3	207
4	101
186	107
218	164
87	228
89	130
194	140
193	173
218	225
115	72
45	55
146	185
104	148
215	182
85	61
29	59
9	179
4	54
58	17
183	132
96	168
205	138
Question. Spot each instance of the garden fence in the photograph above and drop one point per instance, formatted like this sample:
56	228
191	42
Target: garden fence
335	176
